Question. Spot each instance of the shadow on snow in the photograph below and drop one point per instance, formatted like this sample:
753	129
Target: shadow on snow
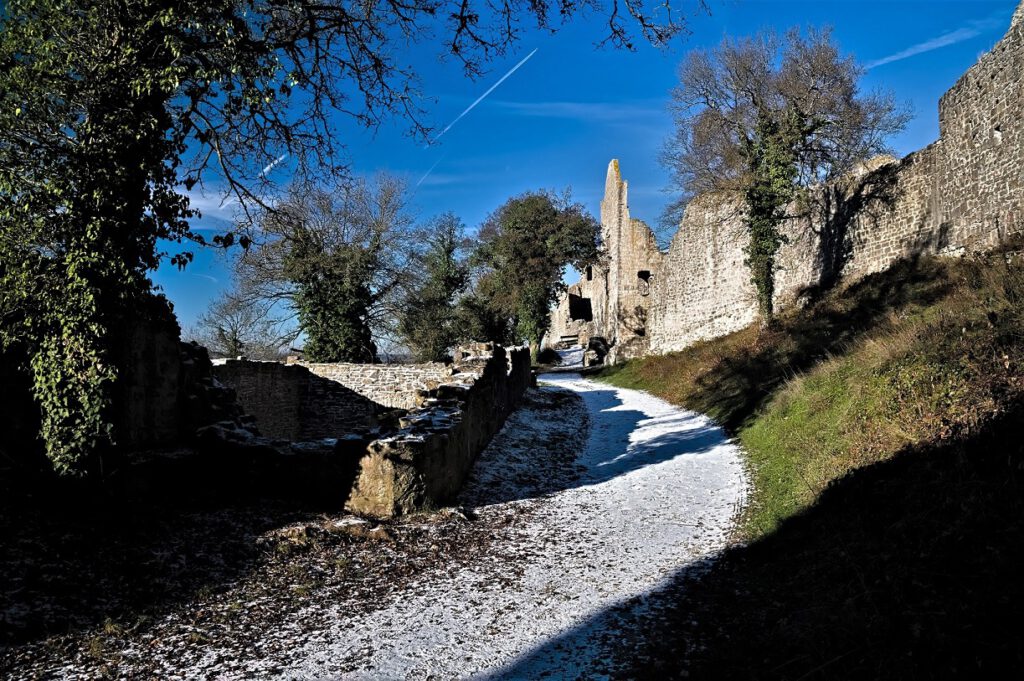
619	441
906	569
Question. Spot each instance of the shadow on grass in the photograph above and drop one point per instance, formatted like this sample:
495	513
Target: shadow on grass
741	383
906	569
732	377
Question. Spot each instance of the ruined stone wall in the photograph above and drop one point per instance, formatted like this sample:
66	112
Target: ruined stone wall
275	394
617	289
632	263
963	193
579	314
312	401
981	124
150	383
311	449
390	385
704	290
424	464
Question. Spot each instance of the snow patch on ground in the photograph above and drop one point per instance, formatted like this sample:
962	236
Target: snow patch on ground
658	490
587	504
571	358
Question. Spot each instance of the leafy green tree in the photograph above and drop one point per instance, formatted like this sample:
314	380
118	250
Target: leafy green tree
525	246
476	317
338	257
770	118
428	321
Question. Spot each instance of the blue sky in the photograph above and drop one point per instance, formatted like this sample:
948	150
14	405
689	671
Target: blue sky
570	108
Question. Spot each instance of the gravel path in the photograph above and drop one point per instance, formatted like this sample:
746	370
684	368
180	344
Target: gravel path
657	488
586	504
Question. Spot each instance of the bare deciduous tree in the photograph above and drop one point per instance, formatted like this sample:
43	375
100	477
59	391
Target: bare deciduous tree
723	92
771	117
233	326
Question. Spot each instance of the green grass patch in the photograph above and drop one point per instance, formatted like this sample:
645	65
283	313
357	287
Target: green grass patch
884	537
922	352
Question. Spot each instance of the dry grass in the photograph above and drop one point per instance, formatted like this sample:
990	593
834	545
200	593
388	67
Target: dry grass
928	350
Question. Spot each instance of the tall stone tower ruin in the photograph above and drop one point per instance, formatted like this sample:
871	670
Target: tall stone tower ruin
611	301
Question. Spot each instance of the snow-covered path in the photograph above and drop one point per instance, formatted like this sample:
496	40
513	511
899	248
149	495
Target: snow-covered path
658	489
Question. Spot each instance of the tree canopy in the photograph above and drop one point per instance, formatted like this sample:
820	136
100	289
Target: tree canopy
111	112
428	322
524	247
337	256
769	118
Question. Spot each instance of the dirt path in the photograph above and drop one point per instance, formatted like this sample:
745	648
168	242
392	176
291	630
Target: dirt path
657	489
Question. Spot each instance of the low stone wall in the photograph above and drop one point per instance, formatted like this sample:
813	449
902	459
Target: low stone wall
390	385
324	445
301	402
424	464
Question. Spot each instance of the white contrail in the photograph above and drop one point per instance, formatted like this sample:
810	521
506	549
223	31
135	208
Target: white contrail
972	30
427	174
270	166
481	97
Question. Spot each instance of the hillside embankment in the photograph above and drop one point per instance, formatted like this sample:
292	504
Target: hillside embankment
881	426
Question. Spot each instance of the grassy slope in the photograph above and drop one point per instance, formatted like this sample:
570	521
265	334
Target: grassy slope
882	428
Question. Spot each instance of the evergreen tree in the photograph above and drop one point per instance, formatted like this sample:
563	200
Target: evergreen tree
525	246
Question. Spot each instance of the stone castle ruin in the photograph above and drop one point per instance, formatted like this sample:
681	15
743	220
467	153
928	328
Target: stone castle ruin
608	309
963	193
386	440
380	440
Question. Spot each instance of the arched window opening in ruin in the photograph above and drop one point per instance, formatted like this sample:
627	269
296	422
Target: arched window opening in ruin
997	134
580	309
590	273
645	282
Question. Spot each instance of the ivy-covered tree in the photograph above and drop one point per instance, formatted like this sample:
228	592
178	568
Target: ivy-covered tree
771	186
525	246
339	258
428	319
769	118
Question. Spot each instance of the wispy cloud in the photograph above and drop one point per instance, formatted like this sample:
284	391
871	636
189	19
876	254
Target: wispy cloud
972	30
484	95
427	174
214	280
217	206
